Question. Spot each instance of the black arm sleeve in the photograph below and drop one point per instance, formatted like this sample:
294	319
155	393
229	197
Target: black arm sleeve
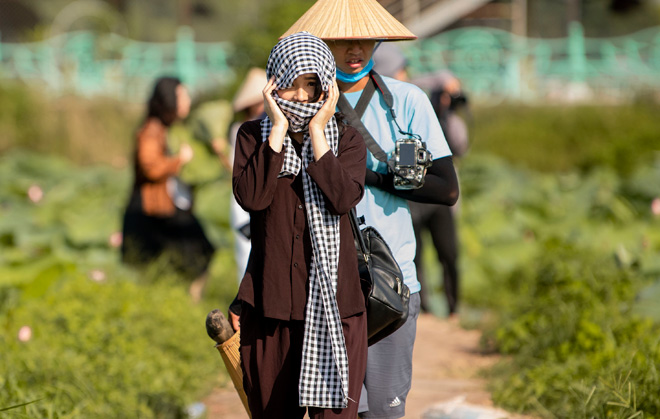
440	184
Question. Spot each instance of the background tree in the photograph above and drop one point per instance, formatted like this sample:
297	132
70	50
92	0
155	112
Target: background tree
253	42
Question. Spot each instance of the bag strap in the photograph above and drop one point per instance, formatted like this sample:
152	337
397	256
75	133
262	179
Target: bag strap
354	116
384	91
355	121
357	234
389	101
365	98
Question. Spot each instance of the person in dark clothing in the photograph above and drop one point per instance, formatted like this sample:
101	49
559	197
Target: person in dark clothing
158	221
298	172
439	220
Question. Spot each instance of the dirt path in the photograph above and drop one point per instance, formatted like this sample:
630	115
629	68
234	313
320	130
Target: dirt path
446	365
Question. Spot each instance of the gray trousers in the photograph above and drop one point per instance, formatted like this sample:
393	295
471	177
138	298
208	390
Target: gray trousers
389	370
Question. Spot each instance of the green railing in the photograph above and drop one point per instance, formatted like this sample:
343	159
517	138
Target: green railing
89	64
493	64
496	65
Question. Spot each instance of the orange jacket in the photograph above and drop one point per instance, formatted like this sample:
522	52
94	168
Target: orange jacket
153	166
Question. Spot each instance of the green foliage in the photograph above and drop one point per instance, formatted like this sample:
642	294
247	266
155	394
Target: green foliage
80	129
568	287
66	222
562	263
579	349
506	214
18	110
107	341
109	349
557	139
78	212
254	42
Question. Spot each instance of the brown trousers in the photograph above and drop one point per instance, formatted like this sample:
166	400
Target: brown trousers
271	355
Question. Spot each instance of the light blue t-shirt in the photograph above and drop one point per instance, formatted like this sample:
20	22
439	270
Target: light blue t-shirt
389	214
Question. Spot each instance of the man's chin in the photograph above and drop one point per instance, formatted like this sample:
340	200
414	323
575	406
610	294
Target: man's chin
352	71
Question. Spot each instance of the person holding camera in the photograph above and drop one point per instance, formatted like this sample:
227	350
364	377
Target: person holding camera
396	114
298	172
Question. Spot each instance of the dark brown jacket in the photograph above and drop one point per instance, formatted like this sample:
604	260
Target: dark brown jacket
153	166
275	281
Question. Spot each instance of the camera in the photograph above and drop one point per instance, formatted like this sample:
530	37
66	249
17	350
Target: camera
457	100
409	163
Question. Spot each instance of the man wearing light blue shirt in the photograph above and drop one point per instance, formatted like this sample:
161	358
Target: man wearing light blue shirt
389	363
380	207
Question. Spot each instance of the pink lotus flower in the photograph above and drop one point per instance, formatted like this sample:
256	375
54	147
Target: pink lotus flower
35	193
97	275
655	207
115	239
25	334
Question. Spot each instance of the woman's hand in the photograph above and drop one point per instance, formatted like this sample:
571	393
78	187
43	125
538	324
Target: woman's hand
185	153
222	149
320	120
327	110
276	116
219	145
235	321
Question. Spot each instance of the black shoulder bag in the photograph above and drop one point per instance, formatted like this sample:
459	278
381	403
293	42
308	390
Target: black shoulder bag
382	282
386	295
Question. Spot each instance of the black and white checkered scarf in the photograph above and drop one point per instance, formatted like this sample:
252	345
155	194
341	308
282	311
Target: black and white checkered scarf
324	371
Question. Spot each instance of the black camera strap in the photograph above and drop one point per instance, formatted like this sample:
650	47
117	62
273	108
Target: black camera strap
389	101
365	98
354	116
354	119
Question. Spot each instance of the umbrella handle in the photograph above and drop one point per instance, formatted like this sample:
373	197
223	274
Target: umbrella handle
229	350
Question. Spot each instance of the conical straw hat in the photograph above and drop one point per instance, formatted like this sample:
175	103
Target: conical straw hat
350	19
251	90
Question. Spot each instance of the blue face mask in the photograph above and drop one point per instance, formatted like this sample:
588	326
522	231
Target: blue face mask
352	78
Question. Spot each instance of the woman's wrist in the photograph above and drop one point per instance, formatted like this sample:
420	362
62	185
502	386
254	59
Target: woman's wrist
280	128
319	142
276	137
316	131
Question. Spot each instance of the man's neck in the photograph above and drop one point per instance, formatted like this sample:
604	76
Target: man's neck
353	87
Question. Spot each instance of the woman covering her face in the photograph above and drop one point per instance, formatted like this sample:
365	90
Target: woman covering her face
298	172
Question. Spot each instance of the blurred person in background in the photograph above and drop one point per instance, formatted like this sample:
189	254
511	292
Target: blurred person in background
351	30
446	98
248	105
299	172
158	221
389	61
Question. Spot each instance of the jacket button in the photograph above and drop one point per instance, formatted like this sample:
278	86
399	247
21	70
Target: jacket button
297	236
299	206
295	265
